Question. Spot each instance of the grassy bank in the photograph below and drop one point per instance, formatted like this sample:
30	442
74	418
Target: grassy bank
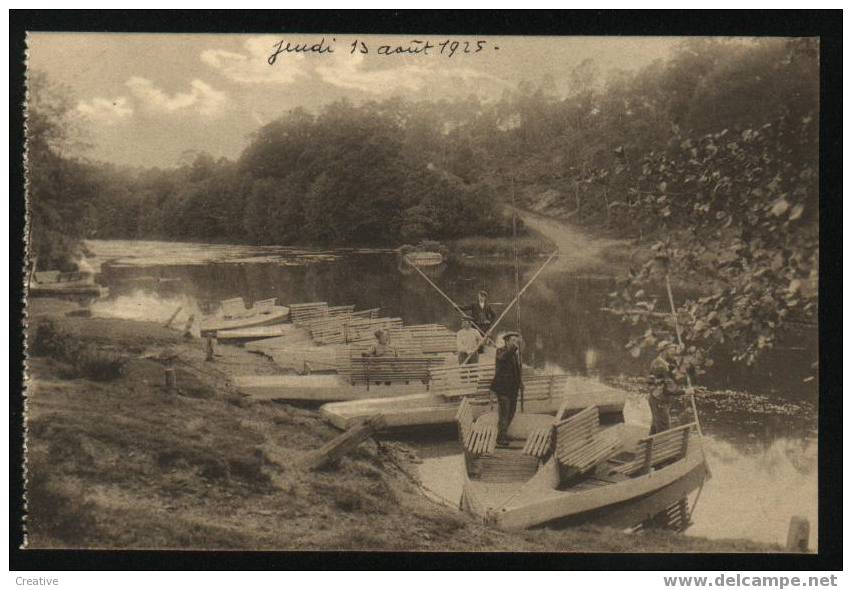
117	461
531	245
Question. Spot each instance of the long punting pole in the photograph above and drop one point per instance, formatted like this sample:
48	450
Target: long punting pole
515	300
680	342
438	289
517	273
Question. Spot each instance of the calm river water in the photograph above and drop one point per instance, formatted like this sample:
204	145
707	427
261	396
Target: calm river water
761	445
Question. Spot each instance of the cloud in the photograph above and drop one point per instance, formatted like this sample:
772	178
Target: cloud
201	97
252	66
105	110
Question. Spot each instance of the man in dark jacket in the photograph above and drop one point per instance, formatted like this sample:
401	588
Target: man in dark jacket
482	314
507	383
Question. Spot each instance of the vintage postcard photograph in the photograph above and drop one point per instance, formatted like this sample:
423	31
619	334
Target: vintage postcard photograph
322	292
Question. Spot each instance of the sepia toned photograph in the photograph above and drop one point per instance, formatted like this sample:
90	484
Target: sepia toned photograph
422	293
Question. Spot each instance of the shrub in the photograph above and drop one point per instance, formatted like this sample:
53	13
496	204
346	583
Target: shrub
85	359
99	365
47	340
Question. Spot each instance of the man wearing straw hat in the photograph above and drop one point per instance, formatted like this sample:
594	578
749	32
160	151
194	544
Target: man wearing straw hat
664	384
507	383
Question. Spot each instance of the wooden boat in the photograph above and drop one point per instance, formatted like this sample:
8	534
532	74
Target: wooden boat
248	334
64	284
544	394
424	258
571	466
234	315
318	388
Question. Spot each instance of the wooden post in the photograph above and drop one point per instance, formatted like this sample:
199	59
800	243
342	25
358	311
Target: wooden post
332	451
798	535
186	329
171	379
209	349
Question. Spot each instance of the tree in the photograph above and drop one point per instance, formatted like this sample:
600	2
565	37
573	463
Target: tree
60	189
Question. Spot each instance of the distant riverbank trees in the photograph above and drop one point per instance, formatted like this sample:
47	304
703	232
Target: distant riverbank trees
349	175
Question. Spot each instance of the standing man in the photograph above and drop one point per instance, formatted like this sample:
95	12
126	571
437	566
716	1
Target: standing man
482	314
507	384
466	340
665	387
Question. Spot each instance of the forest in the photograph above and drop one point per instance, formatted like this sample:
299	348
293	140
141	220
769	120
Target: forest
708	159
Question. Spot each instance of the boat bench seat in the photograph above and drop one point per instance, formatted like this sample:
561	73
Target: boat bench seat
655	450
303	312
469	436
502	466
370	369
264	305
580	443
462	380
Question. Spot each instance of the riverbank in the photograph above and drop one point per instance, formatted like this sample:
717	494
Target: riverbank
124	463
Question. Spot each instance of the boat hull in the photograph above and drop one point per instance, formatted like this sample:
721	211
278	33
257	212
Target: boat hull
554	506
317	388
260	332
212	326
65	290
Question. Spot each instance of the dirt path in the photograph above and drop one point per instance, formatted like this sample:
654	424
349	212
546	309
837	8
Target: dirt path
578	251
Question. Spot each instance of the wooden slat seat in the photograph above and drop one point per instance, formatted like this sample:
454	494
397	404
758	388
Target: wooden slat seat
234	308
364	329
502	466
580	445
303	312
539	442
264	305
656	450
366	313
366	370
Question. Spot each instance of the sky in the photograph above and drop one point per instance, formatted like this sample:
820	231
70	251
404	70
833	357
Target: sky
148	99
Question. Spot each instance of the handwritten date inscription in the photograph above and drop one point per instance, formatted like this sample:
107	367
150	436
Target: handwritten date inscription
447	48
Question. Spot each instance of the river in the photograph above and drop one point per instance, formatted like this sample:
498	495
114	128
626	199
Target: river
760	422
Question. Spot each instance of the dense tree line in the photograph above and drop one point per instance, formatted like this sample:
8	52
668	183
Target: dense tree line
346	176
709	157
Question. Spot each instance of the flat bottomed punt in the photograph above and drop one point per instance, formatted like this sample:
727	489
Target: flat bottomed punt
317	388
554	470
427	408
260	332
248	319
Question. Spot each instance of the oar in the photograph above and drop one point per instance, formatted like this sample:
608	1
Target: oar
514	301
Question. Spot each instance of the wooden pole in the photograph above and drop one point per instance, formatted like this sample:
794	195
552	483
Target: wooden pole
515	252
517	278
438	289
332	451
680	342
209	349
173	316
515	300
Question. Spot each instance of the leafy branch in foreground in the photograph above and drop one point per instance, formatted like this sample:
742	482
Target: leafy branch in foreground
741	210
